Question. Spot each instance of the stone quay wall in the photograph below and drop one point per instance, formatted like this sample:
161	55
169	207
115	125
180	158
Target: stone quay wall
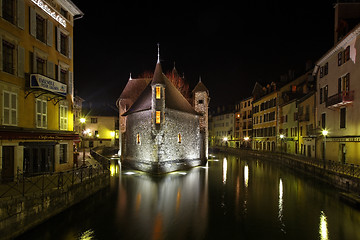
345	177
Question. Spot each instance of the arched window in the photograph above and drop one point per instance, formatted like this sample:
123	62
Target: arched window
138	138
158	92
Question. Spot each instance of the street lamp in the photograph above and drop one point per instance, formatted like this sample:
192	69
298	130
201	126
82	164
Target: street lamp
82	120
246	141
324	133
225	140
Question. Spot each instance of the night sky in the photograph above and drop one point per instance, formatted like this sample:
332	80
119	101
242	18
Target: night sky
231	45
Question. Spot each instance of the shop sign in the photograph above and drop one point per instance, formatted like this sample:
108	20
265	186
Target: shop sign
40	81
53	14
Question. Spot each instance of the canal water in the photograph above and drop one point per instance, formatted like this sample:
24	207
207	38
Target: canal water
230	198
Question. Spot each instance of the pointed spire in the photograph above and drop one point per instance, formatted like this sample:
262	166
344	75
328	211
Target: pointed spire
199	79
158	59
130	78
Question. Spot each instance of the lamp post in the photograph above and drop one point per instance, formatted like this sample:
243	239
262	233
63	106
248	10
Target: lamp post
82	121
281	145
324	133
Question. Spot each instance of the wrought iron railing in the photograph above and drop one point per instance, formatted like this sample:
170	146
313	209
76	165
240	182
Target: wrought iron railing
340	98
39	184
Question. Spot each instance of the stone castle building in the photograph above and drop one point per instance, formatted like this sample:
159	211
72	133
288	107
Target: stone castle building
160	130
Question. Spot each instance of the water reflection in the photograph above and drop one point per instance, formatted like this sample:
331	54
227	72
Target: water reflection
323	228
246	175
280	215
224	170
157	207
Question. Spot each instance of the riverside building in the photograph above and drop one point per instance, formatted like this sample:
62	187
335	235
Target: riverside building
36	86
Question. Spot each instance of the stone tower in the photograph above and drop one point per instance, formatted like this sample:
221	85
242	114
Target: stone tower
201	101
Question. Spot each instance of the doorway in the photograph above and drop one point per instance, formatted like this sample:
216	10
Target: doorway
7	173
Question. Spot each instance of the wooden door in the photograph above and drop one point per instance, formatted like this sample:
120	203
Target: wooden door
7	173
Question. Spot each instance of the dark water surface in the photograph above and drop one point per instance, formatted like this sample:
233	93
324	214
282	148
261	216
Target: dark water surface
231	198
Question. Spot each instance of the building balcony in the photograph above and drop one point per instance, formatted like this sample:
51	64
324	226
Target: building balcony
340	99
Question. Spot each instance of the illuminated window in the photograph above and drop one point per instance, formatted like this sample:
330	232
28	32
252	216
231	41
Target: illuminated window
157	117
179	138
158	92
138	138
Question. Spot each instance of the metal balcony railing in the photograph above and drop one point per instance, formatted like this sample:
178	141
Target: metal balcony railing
340	99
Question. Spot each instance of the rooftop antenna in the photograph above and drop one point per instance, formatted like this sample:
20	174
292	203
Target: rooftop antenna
158	60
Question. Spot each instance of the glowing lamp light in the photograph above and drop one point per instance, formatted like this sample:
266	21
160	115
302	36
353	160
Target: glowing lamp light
325	132
112	134
282	136
225	139
82	120
246	138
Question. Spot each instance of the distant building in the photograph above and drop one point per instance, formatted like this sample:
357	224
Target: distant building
222	127
162	131
37	86
101	127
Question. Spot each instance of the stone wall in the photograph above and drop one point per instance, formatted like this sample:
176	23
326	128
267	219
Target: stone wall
162	144
19	214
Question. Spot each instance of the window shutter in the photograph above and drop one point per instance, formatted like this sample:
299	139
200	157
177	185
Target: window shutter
70	47
71	86
32	22
49	32
21	61
21	14
50	69
1	52
58	39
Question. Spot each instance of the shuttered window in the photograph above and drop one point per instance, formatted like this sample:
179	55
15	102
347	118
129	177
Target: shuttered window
9	108
41	113
63	117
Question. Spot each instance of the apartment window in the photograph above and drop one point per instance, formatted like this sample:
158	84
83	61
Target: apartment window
64	44
40	64
8	10
323	120
157	119
63	75
325	93
9	108
63	117
41	113
158	92
8	57
63	153
201	101
93	120
64	12
326	69
321	95
342	117
339	58
347	54
40	28
179	137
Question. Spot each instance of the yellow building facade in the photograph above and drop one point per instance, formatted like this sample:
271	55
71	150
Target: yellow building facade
36	86
265	121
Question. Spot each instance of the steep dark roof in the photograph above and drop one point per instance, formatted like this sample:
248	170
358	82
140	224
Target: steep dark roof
200	87
173	98
134	88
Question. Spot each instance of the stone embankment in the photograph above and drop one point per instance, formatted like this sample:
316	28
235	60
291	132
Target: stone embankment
344	177
28	201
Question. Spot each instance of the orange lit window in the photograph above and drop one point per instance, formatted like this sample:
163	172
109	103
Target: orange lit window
179	138
157	117
138	138
158	92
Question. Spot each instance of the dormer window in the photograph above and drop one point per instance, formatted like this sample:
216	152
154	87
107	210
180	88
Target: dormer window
158	92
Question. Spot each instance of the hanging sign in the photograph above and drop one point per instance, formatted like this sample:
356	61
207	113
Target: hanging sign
53	14
40	81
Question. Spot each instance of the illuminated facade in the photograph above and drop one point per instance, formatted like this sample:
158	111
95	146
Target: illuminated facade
162	131
338	101
222	122
265	114
37	86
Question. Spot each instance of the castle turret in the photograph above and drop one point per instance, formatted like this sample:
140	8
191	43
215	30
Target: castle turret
201	101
